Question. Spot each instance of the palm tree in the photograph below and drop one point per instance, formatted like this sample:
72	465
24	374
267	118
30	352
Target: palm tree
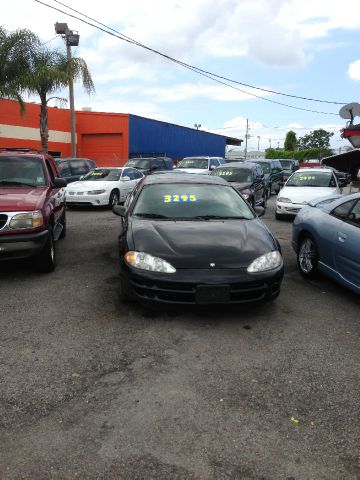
15	53
50	72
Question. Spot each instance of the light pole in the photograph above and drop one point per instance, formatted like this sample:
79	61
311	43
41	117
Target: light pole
71	40
258	137
197	125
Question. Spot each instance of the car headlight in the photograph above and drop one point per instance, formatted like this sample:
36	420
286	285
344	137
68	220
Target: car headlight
245	195
96	192
284	200
145	261
27	220
269	261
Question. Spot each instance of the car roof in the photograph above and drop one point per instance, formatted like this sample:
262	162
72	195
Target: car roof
204	157
314	169
242	165
184	178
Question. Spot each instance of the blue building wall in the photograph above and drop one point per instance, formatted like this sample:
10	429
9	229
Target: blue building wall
151	137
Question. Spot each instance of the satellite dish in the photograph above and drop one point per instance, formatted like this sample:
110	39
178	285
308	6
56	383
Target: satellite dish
350	111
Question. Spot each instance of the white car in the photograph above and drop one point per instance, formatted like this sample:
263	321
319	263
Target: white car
103	186
304	185
200	165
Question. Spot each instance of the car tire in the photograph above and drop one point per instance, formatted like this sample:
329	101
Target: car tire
277	216
46	260
63	223
308	257
114	199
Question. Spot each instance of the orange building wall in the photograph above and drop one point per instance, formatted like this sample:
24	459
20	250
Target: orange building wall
23	131
103	126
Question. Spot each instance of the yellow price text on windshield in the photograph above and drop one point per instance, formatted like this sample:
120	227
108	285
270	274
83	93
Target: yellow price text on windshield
180	198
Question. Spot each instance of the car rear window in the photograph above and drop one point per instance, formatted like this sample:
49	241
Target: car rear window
265	166
239	175
22	171
78	167
143	163
187	201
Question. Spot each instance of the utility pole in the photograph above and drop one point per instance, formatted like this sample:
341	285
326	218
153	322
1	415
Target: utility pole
246	136
71	40
258	137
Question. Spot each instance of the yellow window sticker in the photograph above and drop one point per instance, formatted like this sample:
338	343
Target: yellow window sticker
179	198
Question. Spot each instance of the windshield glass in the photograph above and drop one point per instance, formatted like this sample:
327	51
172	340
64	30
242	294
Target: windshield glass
286	164
265	166
193	163
311	179
22	171
184	201
239	175
141	163
104	174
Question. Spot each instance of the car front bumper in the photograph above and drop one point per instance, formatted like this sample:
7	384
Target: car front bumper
25	245
288	208
201	287
82	199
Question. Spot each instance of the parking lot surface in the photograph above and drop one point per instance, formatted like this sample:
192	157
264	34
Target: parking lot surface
95	389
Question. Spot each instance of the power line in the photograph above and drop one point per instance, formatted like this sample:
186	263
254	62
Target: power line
201	70
204	73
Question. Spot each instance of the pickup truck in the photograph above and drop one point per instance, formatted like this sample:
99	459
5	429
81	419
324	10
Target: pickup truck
32	207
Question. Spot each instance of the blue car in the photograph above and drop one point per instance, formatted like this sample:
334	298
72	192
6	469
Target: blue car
326	239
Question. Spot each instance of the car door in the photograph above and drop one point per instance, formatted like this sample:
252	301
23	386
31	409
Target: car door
127	182
56	194
214	162
258	185
346	241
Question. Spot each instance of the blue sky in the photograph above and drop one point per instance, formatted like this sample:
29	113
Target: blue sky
299	47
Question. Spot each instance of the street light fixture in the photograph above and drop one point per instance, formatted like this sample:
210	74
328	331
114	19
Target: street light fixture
197	125
71	40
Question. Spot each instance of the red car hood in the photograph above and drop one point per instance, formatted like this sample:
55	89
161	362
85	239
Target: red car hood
22	198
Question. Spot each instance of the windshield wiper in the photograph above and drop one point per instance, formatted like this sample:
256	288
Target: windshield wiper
219	217
150	215
10	183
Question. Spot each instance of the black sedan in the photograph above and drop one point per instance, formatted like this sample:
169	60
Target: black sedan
193	239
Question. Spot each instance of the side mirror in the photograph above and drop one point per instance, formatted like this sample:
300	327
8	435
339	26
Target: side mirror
119	210
212	167
260	211
59	182
342	182
126	179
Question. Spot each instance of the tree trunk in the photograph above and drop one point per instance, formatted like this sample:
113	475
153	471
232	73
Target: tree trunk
44	128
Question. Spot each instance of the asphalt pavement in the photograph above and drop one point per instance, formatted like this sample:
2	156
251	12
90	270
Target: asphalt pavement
91	388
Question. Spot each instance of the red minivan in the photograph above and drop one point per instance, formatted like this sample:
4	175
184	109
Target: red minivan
32	207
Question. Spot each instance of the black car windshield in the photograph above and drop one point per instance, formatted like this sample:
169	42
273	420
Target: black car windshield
184	201
21	171
286	164
193	163
141	163
104	174
234	174
311	179
265	166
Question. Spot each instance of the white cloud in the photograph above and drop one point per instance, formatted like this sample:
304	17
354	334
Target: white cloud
354	70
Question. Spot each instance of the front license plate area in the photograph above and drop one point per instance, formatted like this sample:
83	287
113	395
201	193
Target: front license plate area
212	294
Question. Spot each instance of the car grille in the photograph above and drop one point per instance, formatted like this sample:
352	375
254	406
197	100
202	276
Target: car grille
3	220
186	293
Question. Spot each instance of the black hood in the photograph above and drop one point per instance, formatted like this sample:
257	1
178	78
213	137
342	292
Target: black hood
240	186
195	244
